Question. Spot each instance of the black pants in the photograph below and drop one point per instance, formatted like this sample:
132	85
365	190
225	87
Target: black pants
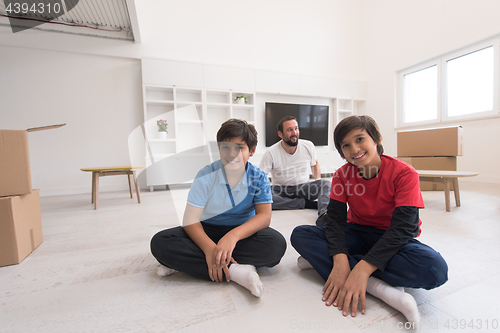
173	248
287	197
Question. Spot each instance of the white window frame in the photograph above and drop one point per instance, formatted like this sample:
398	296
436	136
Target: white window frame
441	62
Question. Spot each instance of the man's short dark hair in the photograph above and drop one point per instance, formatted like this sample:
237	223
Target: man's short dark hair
237	128
348	124
280	123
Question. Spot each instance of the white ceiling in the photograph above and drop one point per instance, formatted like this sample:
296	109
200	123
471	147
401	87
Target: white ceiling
96	18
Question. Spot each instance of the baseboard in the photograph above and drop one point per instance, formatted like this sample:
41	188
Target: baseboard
83	190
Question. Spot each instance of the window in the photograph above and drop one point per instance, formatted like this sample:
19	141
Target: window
469	82
456	86
420	95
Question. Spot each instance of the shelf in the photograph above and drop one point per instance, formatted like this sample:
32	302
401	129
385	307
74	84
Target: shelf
342	117
345	107
243	113
184	104
250	97
159	93
197	116
345	104
189	114
156	109
218	97
162	140
189	122
218	105
158	148
188	96
159	101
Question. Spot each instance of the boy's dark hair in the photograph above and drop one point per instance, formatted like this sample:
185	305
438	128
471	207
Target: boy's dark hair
280	123
357	122
237	128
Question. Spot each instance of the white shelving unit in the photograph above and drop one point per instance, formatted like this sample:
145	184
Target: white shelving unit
345	107
243	111
194	116
196	99
220	106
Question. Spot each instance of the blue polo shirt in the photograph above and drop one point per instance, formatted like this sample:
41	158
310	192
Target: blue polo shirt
223	205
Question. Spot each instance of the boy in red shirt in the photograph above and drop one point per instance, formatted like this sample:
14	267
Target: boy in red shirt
370	247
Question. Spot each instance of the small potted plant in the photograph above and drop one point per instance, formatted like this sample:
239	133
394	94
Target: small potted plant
162	128
241	99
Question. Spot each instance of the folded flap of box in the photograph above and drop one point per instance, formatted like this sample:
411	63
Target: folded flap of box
8	239
43	128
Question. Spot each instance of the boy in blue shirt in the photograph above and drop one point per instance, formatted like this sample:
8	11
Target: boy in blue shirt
225	233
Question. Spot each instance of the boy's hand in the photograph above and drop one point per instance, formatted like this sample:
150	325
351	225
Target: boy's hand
216	273
336	280
354	289
222	254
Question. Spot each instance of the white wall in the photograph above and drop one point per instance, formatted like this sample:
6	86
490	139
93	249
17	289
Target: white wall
316	37
94	84
99	98
402	33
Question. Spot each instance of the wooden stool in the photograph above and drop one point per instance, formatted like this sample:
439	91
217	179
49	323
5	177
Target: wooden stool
446	177
113	171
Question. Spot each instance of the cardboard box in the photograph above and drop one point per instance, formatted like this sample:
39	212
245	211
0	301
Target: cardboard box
445	141
20	227
432	163
15	169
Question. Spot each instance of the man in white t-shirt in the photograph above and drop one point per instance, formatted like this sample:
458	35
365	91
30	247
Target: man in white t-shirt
290	162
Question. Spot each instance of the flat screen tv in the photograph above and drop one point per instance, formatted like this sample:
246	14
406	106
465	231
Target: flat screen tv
312	119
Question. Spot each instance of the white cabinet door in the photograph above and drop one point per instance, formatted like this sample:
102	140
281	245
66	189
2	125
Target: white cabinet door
352	89
171	73
277	83
227	78
318	86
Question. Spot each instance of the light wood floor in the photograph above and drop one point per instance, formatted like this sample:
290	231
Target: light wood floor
94	273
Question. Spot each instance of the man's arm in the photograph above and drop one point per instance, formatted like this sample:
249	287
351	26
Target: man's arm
316	171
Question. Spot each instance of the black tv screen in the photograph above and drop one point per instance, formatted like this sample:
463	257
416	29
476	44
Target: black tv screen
312	119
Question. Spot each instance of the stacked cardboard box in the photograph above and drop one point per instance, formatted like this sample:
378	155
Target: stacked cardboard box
431	149
20	218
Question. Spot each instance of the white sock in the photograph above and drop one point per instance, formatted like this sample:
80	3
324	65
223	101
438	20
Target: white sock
302	263
395	297
246	276
164	271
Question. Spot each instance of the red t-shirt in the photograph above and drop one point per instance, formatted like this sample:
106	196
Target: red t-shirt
372	202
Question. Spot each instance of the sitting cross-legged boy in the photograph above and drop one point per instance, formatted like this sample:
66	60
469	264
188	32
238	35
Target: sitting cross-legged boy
368	243
225	233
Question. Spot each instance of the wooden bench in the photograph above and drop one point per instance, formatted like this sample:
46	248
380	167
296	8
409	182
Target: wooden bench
446	177
113	171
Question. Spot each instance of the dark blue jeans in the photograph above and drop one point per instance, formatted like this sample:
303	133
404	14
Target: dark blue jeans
416	265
